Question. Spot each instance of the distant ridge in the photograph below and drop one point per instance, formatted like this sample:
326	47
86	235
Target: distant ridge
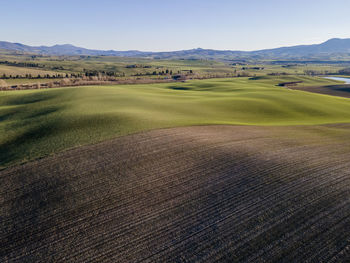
66	49
333	46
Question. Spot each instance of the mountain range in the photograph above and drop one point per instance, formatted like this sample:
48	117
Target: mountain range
332	47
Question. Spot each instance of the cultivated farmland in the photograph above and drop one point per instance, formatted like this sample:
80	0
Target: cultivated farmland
334	90
225	170
19	65
205	193
22	71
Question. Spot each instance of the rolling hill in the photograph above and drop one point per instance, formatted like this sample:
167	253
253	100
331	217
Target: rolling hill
37	123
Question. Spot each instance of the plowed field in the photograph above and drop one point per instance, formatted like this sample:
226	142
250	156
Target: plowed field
205	193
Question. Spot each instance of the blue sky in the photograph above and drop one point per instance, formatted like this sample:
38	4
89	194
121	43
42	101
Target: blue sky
154	25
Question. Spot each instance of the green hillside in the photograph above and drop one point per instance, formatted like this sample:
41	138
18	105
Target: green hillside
36	123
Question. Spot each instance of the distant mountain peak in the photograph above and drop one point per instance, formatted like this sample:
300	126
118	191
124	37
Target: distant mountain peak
64	45
335	40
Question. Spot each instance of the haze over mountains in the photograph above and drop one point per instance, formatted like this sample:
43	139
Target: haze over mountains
333	47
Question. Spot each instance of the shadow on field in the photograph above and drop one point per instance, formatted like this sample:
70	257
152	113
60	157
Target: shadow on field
30	123
43	112
28	99
9	150
194	194
30	219
195	87
24	117
6	116
21	112
33	142
178	88
258	78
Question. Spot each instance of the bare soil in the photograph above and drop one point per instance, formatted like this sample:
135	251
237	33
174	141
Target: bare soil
334	90
205	193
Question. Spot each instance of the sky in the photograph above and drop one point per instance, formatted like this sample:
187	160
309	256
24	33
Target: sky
155	25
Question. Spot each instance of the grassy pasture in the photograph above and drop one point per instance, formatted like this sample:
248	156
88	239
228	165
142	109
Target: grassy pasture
36	123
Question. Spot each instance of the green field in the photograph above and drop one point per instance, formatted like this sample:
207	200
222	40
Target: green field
36	123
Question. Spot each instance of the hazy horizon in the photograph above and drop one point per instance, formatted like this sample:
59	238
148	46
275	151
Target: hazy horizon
16	42
179	25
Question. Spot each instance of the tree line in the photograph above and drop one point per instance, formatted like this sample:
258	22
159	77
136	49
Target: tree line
39	76
21	64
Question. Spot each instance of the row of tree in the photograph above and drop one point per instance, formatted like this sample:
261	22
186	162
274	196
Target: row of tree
39	76
162	73
98	73
21	64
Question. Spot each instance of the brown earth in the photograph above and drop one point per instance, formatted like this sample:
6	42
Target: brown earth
206	193
334	90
